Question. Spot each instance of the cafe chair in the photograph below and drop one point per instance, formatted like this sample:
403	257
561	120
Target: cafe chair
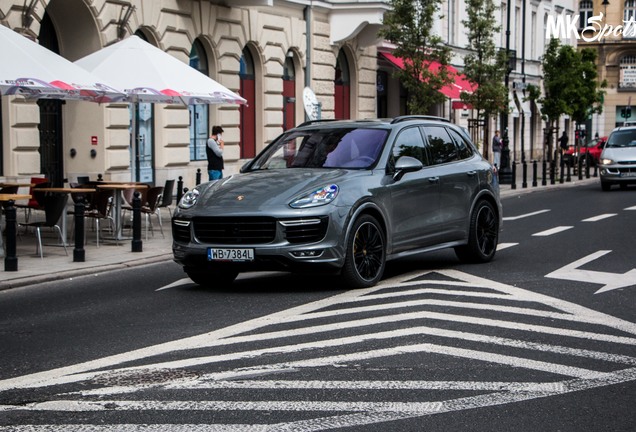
34	203
166	199
151	207
54	207
101	211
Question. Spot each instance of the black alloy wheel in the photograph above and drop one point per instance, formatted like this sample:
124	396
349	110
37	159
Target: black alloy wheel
366	256
483	236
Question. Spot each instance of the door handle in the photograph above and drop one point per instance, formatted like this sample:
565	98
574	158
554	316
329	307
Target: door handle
471	173
433	179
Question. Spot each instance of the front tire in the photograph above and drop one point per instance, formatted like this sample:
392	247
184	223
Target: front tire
483	235
365	258
606	186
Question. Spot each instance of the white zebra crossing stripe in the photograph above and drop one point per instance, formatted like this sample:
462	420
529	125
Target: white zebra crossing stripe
415	311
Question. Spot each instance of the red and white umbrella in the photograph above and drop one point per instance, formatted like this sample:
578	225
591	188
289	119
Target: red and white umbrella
147	74
31	70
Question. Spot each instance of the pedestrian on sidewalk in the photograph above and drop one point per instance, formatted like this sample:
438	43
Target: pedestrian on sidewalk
496	149
214	152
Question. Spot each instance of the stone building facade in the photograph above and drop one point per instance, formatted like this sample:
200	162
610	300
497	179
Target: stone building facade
266	50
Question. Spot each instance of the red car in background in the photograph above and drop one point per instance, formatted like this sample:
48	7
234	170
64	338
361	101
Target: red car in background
590	152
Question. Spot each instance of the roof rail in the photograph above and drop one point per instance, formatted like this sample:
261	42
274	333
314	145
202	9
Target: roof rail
418	117
309	122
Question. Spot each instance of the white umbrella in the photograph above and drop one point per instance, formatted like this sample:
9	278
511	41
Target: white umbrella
31	70
147	74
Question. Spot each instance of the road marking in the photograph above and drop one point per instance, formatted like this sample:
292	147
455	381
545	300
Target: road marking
551	231
512	218
502	246
175	284
599	217
610	281
403	316
630	208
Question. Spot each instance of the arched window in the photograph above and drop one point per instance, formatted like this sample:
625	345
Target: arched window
586	9
198	113
289	92
342	89
248	111
627	76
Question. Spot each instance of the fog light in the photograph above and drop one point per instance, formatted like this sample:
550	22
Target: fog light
307	253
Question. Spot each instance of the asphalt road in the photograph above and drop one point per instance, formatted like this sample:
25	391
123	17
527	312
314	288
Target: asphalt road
543	338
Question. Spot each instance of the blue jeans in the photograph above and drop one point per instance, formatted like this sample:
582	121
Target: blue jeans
215	174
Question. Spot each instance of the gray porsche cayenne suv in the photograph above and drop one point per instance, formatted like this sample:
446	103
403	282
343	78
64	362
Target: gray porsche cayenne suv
343	197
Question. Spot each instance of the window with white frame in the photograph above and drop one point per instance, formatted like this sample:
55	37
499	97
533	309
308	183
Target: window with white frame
586	9
627	76
629	11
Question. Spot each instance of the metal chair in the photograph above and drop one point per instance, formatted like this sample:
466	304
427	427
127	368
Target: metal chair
101	210
166	199
33	203
54	207
151	206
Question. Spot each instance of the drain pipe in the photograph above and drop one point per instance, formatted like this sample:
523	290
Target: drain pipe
308	18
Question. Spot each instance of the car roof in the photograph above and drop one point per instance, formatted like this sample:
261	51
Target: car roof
332	123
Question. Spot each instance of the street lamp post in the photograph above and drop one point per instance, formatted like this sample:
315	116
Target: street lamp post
505	174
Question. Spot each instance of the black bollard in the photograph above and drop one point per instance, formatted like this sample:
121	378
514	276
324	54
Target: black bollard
595	170
198	180
534	173
543	173
79	254
568	178
580	168
179	189
524	171
587	169
562	171
136	243
552	172
513	184
10	259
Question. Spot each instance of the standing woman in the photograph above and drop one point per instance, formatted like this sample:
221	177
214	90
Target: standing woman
214	152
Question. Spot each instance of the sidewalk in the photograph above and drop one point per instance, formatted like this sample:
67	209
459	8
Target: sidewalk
56	265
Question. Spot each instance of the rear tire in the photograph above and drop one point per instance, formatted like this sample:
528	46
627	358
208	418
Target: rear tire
211	279
483	235
365	258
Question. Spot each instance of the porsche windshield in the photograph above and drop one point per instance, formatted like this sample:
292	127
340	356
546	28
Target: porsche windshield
625	138
324	148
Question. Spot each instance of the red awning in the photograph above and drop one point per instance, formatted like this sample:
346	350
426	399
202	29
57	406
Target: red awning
458	104
453	90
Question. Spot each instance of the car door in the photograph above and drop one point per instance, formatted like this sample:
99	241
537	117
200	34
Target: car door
414	208
458	179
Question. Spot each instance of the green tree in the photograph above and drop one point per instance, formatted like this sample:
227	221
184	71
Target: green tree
570	86
409	27
484	65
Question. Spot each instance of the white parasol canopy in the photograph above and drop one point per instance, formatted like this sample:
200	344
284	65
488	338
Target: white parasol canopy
147	74
31	70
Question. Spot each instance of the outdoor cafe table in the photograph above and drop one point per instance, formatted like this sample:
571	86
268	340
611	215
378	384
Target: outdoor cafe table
3	199
66	190
117	189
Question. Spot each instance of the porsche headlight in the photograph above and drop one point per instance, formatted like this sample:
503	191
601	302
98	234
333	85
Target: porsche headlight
316	198
189	198
606	161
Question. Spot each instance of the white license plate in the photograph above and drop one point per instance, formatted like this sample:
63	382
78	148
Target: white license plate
628	174
230	254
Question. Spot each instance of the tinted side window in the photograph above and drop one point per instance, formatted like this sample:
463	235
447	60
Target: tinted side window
440	144
410	143
465	150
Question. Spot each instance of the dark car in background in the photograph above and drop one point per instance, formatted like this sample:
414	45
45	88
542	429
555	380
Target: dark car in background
343	197
589	153
618	159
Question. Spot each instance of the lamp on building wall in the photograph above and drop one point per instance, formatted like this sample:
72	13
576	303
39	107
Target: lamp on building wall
605	5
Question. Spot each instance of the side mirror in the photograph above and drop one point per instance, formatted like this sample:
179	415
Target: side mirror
406	164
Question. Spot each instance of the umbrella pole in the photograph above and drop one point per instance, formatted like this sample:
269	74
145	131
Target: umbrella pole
133	143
